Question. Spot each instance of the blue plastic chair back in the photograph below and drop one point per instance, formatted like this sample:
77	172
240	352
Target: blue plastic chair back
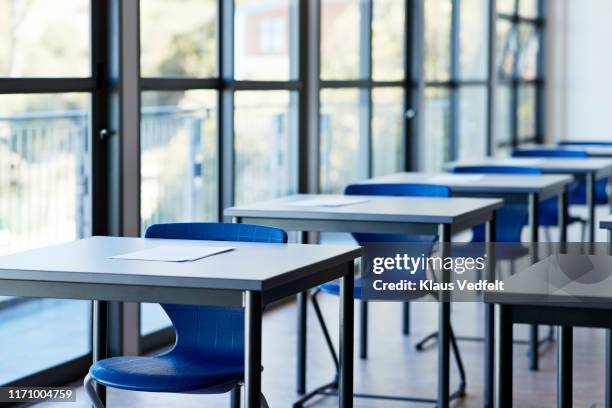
562	153
511	218
396	190
217	332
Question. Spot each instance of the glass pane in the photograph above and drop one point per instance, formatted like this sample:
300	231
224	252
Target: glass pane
506	6
528	8
530	50
265	36
341	127
178	38
437	39
436	144
45	179
265	125
387	132
507	46
340	39
37	40
527	111
503	119
388	40
472	122
182	126
474	27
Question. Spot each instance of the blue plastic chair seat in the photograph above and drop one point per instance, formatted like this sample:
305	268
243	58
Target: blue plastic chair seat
333	288
172	372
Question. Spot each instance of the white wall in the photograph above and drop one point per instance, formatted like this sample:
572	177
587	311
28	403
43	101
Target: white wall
580	70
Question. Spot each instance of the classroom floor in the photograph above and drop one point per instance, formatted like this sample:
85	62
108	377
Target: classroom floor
393	366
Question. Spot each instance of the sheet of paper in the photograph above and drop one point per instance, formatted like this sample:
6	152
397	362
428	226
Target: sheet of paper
329	201
173	253
456	178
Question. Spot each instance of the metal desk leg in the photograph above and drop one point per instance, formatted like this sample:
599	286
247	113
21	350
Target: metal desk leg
406	318
564	368
562	211
590	180
302	318
534	224
252	355
503	368
444	310
489	335
363	333
347	287
100	339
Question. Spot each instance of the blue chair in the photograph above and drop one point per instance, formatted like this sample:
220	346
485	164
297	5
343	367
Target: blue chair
578	194
513	217
333	288
208	356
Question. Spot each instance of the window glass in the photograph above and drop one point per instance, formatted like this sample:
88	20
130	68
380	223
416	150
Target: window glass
528	8
340	39
436	146
45	175
529	51
263	34
178	38
503	119
506	6
507	46
341	127
526	111
388	33
265	144
472	122
474	44
37	40
437	39
387	134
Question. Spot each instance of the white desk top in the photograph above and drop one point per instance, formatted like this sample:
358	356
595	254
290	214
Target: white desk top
251	266
421	210
600	167
485	183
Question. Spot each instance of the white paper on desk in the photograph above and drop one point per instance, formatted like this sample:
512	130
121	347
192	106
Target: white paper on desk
173	253
456	178
329	201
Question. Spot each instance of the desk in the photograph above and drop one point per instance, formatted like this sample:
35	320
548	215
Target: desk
601	151
382	215
554	292
511	188
591	169
251	276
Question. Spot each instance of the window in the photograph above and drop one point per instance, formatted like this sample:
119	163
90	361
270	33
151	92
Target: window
210	95
45	173
519	68
362	91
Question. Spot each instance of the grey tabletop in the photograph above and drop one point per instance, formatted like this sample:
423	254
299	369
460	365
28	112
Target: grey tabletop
576	166
606	222
572	280
251	266
421	210
482	183
590	150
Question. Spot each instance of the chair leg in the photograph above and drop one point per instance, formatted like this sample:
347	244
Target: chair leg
235	397
90	391
328	340
459	360
363	333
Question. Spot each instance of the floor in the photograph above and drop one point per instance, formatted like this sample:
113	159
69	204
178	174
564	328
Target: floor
394	366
